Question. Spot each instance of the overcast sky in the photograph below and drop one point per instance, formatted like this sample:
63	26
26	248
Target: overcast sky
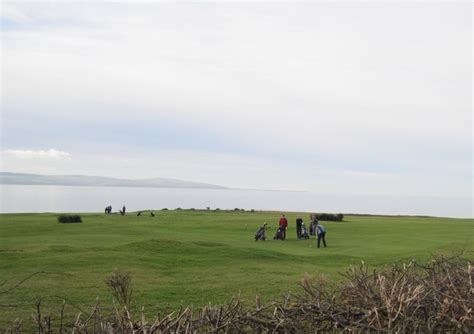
357	98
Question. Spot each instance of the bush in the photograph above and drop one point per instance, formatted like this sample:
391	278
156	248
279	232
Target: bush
330	217
120	284
164	209
64	219
178	209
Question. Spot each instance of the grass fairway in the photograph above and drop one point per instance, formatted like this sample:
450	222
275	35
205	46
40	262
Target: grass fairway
194	257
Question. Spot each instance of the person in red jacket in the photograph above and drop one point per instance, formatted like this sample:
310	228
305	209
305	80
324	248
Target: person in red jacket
283	223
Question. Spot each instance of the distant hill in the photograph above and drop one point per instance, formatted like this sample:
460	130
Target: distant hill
98	181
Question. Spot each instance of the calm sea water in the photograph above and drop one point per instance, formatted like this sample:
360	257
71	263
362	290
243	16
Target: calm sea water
16	198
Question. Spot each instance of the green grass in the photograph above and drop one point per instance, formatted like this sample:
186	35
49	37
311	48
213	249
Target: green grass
182	258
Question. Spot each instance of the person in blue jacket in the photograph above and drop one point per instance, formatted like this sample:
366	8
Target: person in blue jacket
321	232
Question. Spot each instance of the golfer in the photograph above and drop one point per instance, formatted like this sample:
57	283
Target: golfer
321	232
283	223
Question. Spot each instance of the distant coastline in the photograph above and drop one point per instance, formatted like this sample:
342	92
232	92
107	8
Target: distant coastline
11	178
276	190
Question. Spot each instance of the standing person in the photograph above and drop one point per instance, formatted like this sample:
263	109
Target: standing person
299	222
321	231
313	224
283	223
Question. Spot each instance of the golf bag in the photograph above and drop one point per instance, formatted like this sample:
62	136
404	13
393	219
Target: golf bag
304	232
260	234
278	234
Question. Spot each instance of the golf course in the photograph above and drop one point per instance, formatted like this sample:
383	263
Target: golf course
180	258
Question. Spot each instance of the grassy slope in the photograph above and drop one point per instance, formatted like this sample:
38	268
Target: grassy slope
192	257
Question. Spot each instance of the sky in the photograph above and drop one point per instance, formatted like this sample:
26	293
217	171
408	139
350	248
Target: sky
348	98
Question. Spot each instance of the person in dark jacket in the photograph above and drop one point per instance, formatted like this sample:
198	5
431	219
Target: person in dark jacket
299	222
313	224
321	232
283	223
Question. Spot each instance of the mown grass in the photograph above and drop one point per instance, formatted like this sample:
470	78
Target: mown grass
181	258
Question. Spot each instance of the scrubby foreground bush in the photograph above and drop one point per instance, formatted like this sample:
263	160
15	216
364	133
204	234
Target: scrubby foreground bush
433	297
69	219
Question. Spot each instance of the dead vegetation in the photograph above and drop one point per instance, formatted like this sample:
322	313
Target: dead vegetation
432	297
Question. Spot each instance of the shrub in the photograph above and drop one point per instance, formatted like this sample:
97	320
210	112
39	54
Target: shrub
330	217
178	209
64	219
164	209
120	284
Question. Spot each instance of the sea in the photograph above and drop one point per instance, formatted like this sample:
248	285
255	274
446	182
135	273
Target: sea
45	198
